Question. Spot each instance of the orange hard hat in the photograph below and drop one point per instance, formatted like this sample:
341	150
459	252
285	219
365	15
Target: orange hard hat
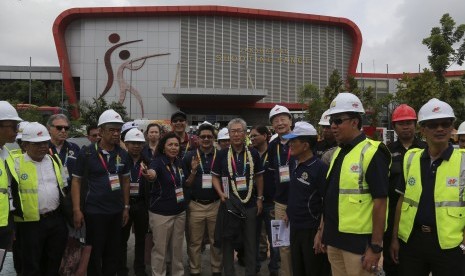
403	113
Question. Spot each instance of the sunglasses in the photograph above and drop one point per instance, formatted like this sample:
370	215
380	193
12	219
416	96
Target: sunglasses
60	128
206	137
338	121
435	125
178	121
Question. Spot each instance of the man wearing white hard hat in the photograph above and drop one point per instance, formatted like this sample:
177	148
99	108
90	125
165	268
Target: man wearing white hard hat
428	234
356	193
41	225
328	141
461	135
105	204
138	201
306	188
9	120
279	158
223	139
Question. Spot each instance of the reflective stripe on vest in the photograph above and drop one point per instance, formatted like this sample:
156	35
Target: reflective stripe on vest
6	167
448	196
355	206
28	189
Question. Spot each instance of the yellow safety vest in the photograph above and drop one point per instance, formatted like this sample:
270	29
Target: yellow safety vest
355	208
28	187
4	200
448	197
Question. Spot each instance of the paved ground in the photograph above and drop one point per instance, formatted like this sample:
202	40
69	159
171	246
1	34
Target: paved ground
8	269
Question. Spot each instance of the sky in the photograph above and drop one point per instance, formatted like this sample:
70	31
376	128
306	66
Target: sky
392	30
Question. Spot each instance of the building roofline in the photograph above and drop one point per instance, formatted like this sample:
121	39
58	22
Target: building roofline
35	69
456	73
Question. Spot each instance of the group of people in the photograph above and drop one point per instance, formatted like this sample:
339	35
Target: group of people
348	200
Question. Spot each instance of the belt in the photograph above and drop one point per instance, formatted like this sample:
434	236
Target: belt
50	214
204	201
426	228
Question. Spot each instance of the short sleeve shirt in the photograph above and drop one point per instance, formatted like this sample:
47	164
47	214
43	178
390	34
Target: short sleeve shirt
68	155
279	155
207	161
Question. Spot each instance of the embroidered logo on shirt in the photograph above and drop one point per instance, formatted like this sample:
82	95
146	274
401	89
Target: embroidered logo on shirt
452	182
304	176
71	153
411	181
354	168
24	176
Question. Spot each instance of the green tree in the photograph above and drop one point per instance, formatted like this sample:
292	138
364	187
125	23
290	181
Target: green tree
335	85
446	45
309	94
90	112
417	90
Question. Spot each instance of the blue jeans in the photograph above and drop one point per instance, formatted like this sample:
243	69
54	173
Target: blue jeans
266	217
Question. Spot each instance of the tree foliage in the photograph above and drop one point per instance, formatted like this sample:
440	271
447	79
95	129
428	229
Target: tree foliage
309	94
42	93
446	46
90	112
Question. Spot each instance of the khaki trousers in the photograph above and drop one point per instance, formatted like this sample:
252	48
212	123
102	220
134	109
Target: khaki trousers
199	216
168	238
284	251
345	263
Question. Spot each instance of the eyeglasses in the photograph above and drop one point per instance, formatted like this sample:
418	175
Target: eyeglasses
206	137
14	126
435	125
60	128
178	121
236	131
338	121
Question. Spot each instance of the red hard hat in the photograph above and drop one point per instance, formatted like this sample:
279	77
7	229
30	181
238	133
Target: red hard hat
403	113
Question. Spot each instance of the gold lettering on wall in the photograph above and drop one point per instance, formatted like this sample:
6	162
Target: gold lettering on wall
262	55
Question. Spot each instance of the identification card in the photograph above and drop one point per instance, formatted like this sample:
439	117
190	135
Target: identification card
179	195
134	189
114	182
225	182
206	181
284	174
65	176
241	184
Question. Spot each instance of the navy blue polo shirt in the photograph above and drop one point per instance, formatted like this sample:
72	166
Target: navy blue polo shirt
269	185
306	190
207	163
276	159
220	169
163	194
322	146
147	153
426	211
135	176
377	177
100	198
68	154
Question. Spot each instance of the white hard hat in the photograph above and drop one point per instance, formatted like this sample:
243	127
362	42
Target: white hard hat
461	129
8	112
435	109
205	123
134	135
127	126
301	129
346	102
279	109
21	129
324	121
223	134
109	116
35	132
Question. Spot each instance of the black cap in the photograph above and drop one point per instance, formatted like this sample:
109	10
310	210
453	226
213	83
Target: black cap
178	114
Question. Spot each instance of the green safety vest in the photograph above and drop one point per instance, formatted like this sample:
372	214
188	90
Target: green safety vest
448	197
355	208
28	187
4	200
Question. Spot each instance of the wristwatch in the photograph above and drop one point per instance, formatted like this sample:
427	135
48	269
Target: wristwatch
376	248
127	207
261	198
462	246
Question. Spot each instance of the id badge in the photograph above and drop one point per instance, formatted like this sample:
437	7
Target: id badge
206	181
179	195
241	183
225	182
65	176
114	182
284	174
134	189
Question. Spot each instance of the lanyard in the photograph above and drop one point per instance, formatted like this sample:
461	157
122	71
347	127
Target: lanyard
172	175
187	147
278	153
139	174
200	159
234	162
265	159
66	156
104	164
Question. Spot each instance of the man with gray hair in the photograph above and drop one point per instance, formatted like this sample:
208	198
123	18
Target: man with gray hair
236	173
58	126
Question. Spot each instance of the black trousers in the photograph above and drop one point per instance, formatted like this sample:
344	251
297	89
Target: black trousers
42	245
422	255
304	260
103	233
139	217
6	234
390	268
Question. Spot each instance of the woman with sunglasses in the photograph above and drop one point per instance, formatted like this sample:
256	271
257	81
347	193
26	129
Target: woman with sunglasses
167	214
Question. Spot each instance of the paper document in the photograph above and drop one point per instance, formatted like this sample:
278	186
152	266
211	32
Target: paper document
279	233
